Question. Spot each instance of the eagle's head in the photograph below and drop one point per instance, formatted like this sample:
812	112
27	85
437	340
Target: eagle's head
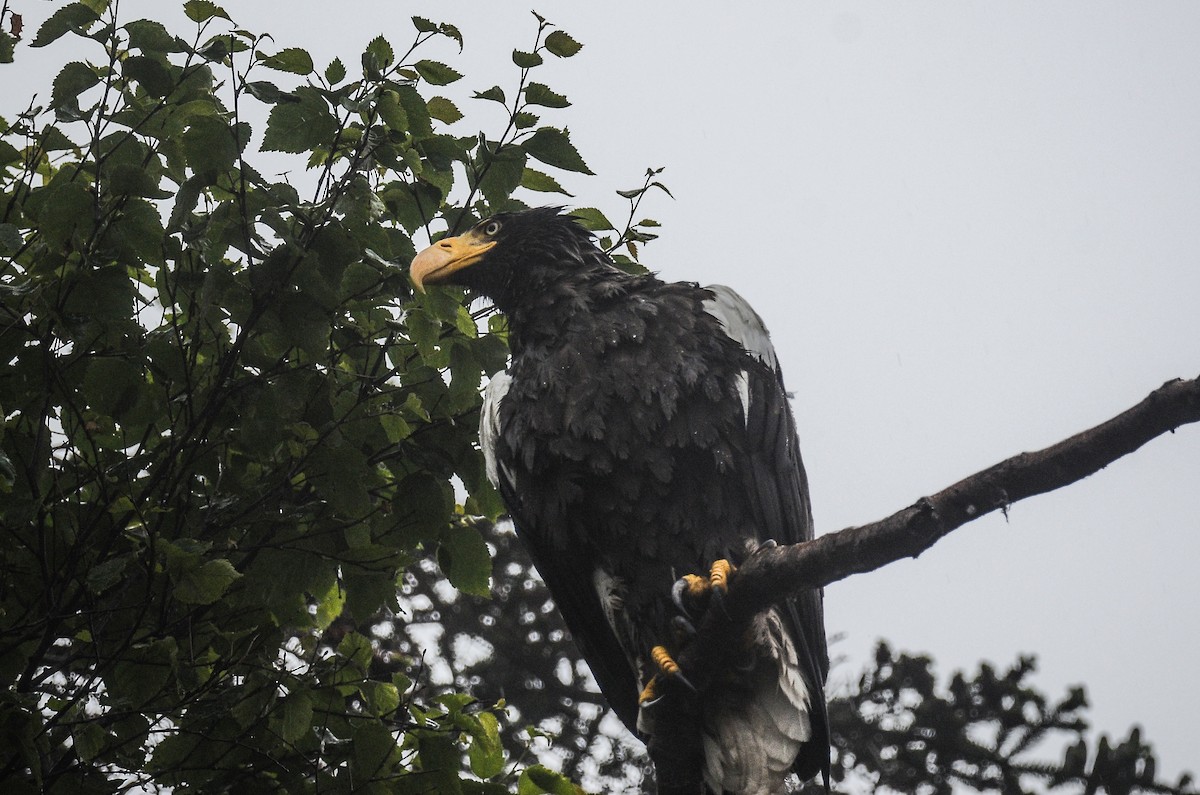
511	255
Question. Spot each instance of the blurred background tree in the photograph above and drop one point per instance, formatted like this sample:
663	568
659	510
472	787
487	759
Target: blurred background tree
247	544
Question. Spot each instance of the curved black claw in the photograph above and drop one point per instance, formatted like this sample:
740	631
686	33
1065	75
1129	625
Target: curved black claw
690	594
669	668
682	630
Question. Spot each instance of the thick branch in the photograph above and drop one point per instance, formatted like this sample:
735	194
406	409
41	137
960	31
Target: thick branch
771	575
785	571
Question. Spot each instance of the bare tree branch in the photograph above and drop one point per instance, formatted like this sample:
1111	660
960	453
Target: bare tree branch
771	575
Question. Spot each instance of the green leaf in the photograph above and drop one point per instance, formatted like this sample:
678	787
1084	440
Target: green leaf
8	46
11	239
419	125
486	753
495	94
538	780
209	146
502	174
554	148
543	183
89	739
592	218
380	52
562	45
392	112
339	472
423	25
523	120
293	59
75	17
203	10
151	37
335	72
436	73
300	126
443	110
295	716
373	746
267	92
205	584
111	384
526	60
186	199
539	94
73	80
464	559
150	72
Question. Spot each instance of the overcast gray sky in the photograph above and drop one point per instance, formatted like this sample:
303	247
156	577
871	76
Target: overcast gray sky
973	229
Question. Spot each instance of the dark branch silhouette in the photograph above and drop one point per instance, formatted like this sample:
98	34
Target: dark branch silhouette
771	575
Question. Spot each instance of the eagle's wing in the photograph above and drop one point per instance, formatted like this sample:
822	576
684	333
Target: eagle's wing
777	487
570	581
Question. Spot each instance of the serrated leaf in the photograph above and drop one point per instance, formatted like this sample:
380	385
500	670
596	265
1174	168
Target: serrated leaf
186	199
539	780
330	605
464	559
436	73
293	59
451	32
295	716
203	10
562	45
73	80
495	94
151	37
539	94
205	584
486	753
423	25
381	52
554	148
75	17
265	91
209	146
443	110
532	179
300	126
502	173
526	60
335	72
150	72
392	112
592	219
523	120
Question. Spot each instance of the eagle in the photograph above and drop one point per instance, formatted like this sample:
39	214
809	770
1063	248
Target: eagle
643	445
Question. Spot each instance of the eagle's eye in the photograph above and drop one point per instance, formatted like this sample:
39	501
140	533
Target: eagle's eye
491	229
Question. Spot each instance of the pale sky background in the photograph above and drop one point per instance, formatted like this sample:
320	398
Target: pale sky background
972	228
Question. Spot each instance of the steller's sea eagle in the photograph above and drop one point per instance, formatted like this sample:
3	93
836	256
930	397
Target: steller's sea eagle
640	433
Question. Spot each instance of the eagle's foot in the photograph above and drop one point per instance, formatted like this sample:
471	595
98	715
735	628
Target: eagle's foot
693	593
668	669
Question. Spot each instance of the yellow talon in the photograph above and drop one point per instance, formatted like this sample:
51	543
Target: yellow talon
662	658
720	574
649	692
697	586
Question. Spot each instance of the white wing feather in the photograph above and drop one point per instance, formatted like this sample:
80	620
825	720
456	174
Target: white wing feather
489	425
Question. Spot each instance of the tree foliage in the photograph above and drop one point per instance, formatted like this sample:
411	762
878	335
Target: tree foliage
238	455
222	434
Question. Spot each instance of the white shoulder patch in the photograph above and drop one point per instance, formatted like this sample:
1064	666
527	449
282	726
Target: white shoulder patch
743	325
489	424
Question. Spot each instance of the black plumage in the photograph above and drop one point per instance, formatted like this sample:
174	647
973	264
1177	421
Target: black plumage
641	432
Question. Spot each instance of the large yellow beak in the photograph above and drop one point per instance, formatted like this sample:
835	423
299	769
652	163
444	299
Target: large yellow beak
446	257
